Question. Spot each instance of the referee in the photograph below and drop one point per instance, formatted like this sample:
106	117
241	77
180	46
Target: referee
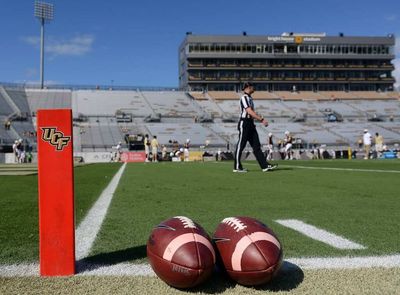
248	132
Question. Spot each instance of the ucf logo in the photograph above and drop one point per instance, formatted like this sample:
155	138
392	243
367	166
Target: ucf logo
55	138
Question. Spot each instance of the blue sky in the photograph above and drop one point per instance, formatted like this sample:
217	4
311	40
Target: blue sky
136	42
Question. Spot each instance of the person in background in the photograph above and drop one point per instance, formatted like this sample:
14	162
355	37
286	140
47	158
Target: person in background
164	152
154	148
118	152
288	145
14	147
186	149
248	132
29	157
367	140
378	144
270	146
147	147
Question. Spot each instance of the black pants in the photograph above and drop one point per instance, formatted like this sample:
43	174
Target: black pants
248	133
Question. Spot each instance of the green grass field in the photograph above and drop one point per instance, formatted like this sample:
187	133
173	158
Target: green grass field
19	209
361	206
359	201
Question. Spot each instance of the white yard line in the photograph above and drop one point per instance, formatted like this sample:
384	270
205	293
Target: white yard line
88	229
321	168
130	269
339	169
319	234
389	261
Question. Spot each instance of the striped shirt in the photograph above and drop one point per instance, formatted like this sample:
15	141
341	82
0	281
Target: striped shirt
246	101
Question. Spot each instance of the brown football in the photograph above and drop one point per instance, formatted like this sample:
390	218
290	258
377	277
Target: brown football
250	252
180	252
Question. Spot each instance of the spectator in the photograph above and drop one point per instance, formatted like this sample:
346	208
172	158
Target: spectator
22	157
147	147
118	152
367	139
15	151
7	125
164	152
186	150
288	145
378	144
29	157
360	143
154	148
270	147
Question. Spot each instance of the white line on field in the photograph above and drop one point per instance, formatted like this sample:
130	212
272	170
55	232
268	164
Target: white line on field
90	226
341	169
130	269
319	234
323	168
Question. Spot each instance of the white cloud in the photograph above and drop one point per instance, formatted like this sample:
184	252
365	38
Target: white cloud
76	46
396	62
391	18
396	72
79	45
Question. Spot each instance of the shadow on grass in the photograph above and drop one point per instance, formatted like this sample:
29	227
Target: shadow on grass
289	277
111	258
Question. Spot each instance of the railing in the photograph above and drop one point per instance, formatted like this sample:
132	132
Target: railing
86	87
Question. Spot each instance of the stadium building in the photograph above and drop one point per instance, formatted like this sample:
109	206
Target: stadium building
302	62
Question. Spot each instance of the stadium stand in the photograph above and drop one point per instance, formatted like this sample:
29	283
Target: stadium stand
102	118
20	100
195	132
106	102
48	99
5	109
171	104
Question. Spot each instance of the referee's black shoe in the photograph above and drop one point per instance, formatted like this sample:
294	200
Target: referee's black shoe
270	167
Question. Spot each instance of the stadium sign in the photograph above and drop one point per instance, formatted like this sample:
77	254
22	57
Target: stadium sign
294	39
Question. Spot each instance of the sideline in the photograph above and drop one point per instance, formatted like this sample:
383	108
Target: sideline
88	229
144	269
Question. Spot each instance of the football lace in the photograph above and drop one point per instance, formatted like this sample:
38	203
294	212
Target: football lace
235	223
187	222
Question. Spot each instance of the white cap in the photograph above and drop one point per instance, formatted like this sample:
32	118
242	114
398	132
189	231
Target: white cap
16	141
270	134
20	140
287	132
188	140
365	130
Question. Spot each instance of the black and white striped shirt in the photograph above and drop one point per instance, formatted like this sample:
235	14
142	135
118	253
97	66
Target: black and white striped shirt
246	101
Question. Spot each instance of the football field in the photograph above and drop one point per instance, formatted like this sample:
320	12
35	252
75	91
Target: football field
338	222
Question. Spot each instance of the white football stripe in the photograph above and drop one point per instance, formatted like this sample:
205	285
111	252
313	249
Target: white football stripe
130	269
181	240
319	234
341	169
244	242
323	168
90	226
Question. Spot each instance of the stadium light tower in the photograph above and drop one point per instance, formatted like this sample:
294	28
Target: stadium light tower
45	13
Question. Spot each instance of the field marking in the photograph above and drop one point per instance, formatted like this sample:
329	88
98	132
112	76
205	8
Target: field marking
90	226
144	269
340	169
319	234
323	168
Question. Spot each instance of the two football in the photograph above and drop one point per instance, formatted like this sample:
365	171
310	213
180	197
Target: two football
180	252
250	251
